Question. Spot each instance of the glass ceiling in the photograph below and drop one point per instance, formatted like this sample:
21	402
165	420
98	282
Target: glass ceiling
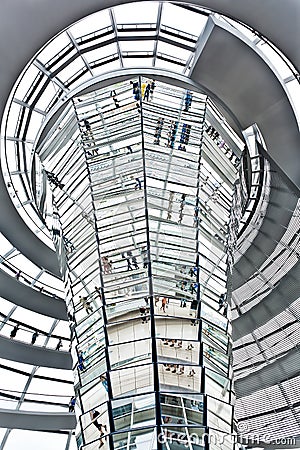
101	43
109	40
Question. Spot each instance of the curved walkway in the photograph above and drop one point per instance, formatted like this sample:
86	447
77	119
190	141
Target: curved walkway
271	111
279	212
17	232
22	295
37	421
251	91
18	351
233	69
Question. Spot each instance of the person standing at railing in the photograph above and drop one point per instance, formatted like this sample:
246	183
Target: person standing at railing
222	301
138	184
143	89
34	337
72	404
14	331
134	261
163	304
135	90
18	274
147	91
86	304
81	366
143	311
107	265
94	414
59	345
188	100
129	267
152	87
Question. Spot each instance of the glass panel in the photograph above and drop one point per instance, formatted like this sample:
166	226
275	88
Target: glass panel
141	12
182	19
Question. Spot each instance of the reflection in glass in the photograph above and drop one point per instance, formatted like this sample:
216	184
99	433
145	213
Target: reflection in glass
146	208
